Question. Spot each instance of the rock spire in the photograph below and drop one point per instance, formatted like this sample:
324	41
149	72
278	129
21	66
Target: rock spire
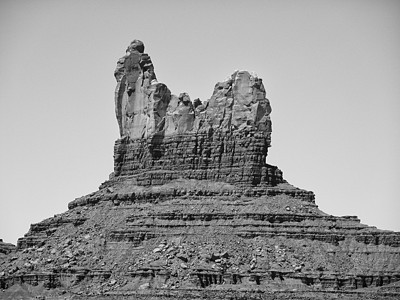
165	137
145	107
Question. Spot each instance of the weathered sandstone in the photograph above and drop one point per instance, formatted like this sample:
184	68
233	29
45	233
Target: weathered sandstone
193	211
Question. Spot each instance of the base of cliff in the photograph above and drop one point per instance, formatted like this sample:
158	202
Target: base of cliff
26	291
191	239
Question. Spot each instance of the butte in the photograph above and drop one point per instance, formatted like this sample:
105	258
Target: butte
193	211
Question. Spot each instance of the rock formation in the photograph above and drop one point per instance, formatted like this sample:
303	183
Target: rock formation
193	211
6	248
165	137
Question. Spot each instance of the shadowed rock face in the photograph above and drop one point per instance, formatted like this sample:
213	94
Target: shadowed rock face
193	211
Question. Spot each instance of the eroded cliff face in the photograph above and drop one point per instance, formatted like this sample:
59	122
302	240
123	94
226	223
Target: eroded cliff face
145	108
193	211
165	137
140	101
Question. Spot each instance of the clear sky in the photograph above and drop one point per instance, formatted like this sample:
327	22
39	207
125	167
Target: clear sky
331	70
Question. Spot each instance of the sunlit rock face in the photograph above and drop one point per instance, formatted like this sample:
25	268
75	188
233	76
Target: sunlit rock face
225	138
145	107
140	101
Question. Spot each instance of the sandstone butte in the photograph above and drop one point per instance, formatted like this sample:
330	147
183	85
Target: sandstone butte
193	211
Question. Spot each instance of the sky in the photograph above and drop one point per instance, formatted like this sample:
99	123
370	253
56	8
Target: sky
331	70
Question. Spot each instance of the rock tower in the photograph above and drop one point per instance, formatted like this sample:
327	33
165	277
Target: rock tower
193	211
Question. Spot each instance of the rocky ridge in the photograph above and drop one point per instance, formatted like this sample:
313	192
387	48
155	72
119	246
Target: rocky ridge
193	211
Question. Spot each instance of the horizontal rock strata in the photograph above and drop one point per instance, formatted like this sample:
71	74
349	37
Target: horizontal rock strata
165	137
233	158
206	242
192	210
